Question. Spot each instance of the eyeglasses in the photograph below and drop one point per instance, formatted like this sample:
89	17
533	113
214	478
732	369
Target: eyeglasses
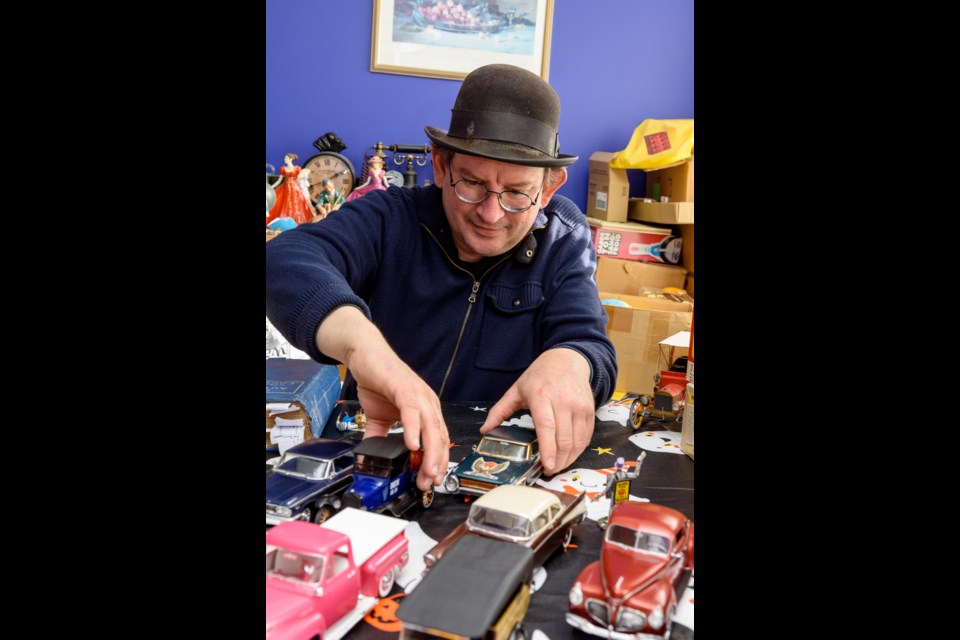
473	192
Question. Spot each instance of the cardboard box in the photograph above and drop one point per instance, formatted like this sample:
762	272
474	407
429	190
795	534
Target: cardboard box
675	182
636	333
686	434
686	256
608	190
628	240
660	212
628	276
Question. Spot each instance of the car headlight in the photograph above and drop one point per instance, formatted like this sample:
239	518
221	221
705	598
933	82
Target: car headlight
452	483
284	512
630	620
576	595
656	618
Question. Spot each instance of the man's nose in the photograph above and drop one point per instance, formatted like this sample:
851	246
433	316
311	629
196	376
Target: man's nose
490	210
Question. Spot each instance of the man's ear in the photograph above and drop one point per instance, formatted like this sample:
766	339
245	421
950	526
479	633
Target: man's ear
557	178
439	166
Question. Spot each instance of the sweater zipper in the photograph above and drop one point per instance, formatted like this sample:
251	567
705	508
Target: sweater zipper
471	299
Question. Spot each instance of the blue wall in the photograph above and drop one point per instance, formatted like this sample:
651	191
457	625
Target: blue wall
614	63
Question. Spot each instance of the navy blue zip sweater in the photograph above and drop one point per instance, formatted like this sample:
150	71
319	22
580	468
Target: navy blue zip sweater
390	253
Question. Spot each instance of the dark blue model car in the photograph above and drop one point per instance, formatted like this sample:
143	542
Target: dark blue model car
308	481
384	477
506	455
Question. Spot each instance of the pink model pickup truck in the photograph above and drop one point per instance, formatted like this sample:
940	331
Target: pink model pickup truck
322	579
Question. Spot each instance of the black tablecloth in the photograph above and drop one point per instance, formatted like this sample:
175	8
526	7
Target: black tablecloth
665	478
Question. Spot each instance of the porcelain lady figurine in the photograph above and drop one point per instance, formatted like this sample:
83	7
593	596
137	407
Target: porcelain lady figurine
291	202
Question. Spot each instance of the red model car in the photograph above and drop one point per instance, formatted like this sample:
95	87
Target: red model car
631	593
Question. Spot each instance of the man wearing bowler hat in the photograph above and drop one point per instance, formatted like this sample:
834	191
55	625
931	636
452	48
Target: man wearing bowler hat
479	287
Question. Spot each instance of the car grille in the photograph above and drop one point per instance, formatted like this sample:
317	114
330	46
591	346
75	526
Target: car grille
476	484
598	611
352	500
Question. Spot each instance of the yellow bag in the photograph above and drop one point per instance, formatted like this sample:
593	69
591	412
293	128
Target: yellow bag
656	144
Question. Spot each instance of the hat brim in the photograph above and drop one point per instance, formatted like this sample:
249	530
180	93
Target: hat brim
502	151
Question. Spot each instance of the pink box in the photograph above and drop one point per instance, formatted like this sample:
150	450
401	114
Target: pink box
632	241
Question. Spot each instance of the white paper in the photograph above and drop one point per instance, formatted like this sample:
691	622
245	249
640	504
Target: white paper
681	339
280	407
289	422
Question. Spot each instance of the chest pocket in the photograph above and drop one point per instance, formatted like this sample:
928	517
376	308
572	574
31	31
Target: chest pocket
510	334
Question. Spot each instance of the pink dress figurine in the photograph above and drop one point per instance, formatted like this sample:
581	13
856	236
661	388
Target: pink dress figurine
376	179
291	202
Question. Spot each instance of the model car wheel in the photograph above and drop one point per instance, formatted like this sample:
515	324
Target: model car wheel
636	413
427	498
567	537
386	583
323	514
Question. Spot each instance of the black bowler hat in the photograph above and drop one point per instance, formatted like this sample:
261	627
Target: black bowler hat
505	113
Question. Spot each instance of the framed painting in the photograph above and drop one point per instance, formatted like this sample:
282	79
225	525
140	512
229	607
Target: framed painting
451	38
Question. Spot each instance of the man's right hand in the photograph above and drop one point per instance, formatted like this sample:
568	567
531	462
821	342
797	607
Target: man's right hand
388	390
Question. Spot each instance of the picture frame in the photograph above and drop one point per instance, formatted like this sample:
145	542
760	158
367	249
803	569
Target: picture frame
450	38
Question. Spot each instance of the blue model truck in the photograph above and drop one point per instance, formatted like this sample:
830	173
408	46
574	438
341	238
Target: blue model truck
385	477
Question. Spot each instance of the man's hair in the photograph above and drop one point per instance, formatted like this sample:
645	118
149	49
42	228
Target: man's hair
551	175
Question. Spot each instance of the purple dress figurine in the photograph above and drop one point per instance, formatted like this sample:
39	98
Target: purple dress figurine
376	179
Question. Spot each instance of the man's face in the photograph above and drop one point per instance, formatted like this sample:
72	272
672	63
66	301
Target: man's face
486	229
328	187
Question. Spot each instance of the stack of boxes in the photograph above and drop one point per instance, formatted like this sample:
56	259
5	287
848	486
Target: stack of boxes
675	185
625	274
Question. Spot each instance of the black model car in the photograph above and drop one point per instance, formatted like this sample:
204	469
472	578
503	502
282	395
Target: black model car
479	590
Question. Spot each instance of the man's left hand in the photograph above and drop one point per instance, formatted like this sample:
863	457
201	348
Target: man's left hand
556	389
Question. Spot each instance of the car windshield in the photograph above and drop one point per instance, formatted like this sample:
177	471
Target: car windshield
303	467
502	449
291	565
499	522
634	539
372	466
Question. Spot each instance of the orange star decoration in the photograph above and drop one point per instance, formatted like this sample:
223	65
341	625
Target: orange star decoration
603	450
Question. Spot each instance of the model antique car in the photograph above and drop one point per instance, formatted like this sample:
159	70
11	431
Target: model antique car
322	579
541	519
309	479
385	477
631	592
506	455
489	605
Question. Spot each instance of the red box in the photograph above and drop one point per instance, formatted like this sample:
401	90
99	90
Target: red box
632	241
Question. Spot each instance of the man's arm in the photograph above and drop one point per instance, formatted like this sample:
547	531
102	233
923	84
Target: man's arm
313	275
388	389
577	369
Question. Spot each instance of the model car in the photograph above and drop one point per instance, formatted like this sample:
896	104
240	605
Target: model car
384	477
322	579
506	455
309	479
480	591
631	592
541	519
